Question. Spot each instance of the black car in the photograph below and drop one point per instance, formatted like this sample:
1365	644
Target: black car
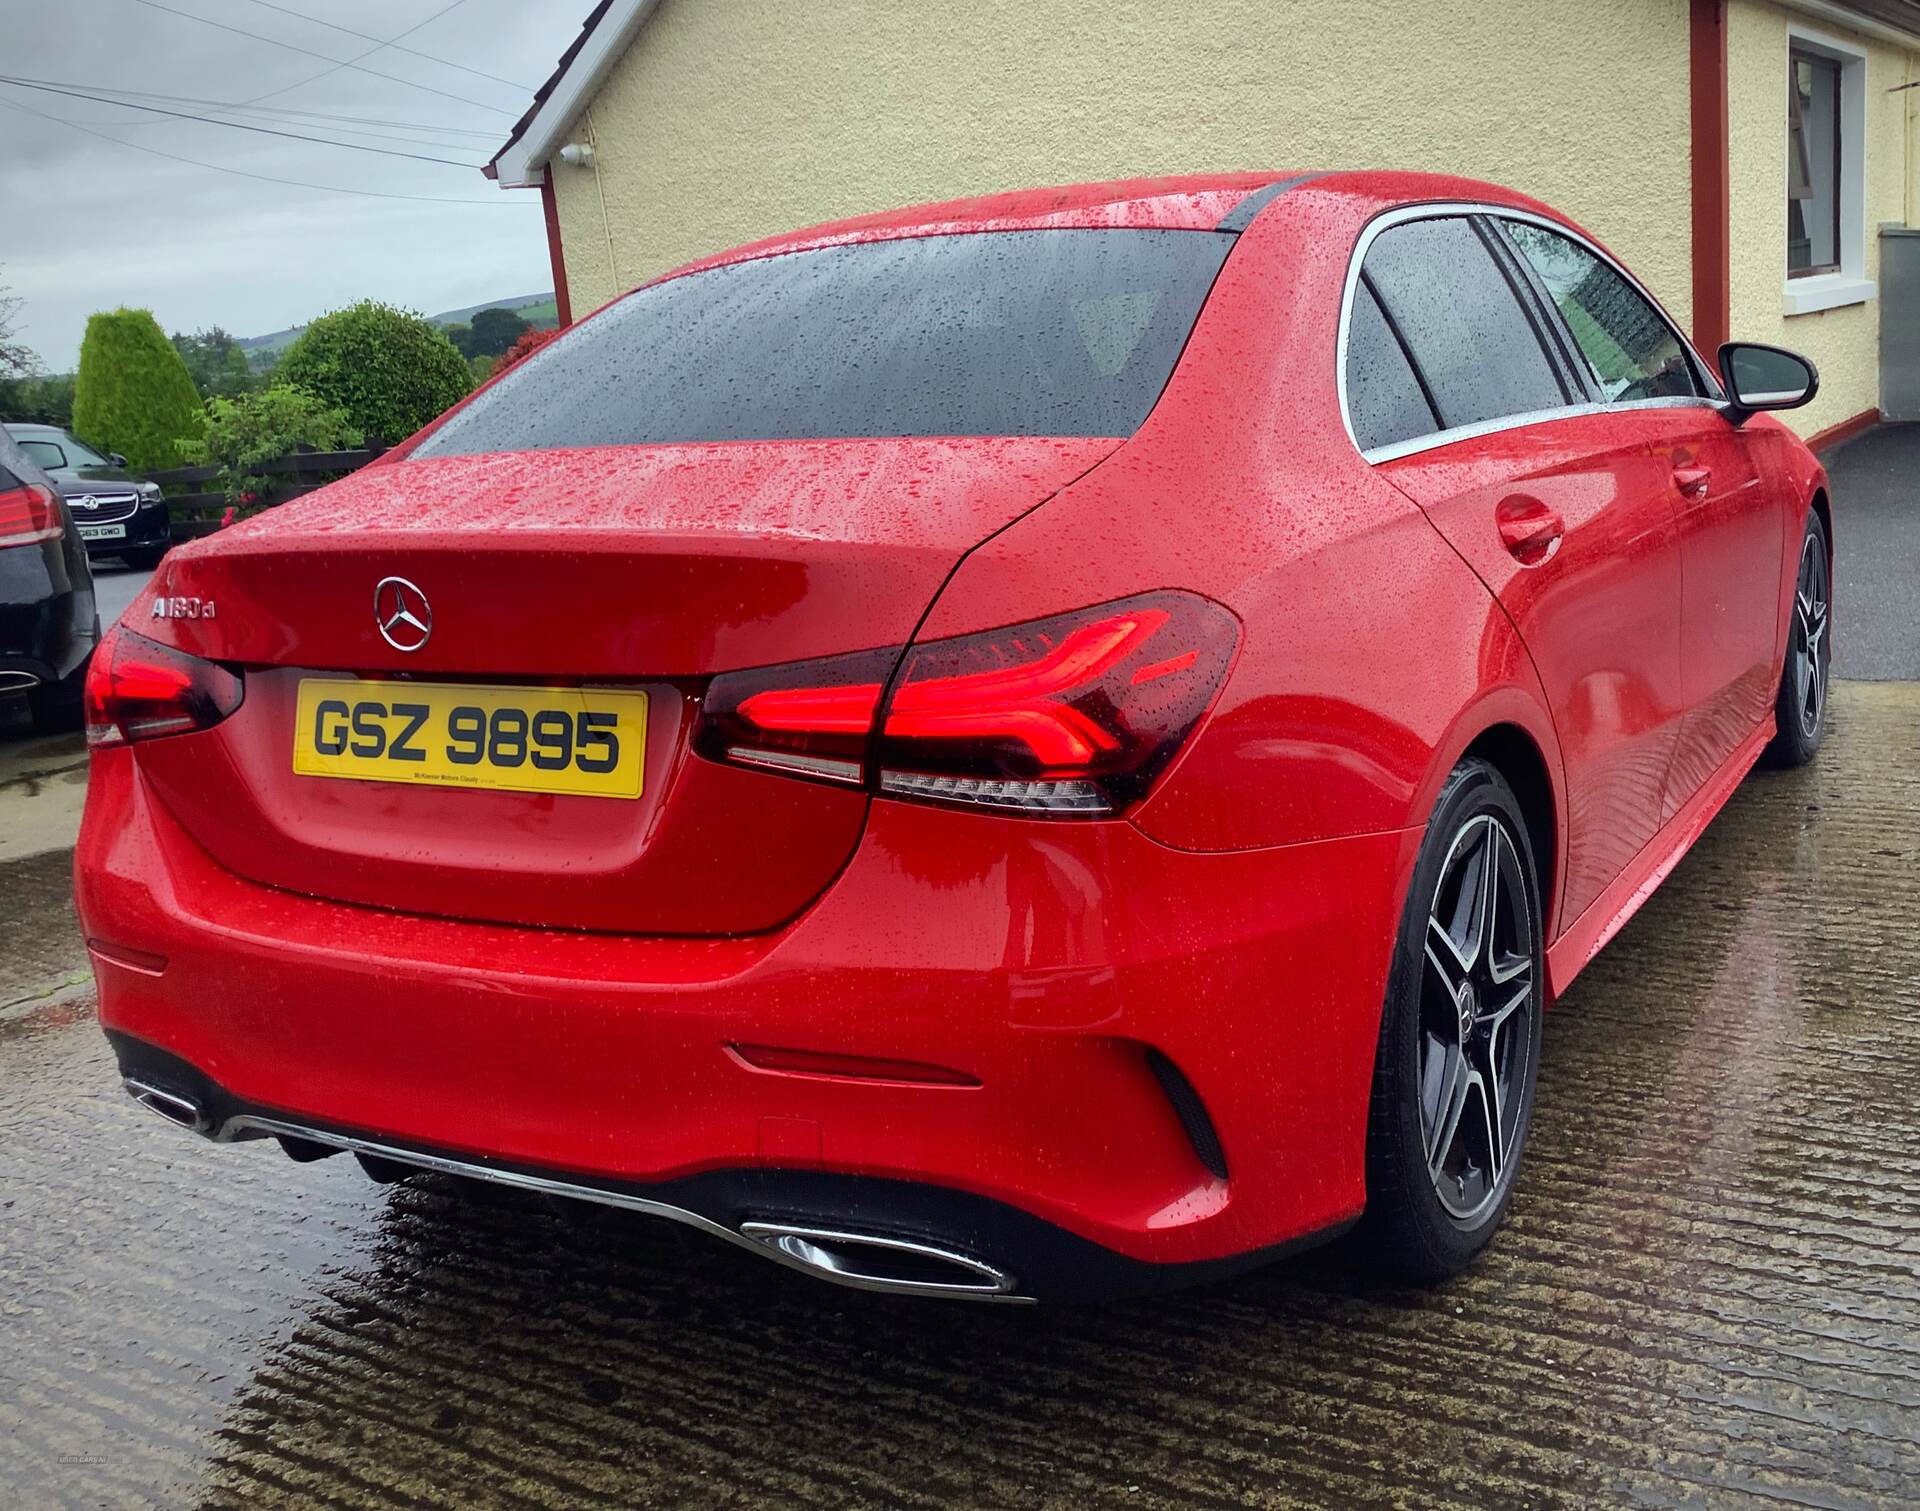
117	513
48	623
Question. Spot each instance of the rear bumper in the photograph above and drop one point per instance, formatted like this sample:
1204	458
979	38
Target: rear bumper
47	622
1043	970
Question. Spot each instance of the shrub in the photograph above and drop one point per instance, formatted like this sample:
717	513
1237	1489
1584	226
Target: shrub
388	369
133	394
525	345
243	433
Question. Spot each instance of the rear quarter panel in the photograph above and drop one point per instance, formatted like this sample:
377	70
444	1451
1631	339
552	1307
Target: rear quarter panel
1370	654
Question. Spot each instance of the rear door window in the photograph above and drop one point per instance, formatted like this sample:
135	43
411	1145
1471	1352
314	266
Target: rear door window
1634	353
1459	320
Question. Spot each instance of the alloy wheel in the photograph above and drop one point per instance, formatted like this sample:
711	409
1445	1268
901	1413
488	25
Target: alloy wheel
1478	995
1812	655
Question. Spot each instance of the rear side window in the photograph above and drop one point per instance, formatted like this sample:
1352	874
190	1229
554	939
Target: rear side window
1459	321
1071	332
1385	399
1628	343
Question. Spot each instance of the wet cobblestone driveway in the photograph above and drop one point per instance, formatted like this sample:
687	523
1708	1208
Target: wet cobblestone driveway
1709	1291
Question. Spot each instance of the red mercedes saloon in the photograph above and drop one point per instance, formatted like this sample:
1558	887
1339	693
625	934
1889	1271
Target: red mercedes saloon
1046	746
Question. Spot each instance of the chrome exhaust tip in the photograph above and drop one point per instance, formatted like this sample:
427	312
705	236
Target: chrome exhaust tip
870	1262
181	1111
18	682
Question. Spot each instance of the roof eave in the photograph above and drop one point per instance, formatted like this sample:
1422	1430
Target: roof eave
522	162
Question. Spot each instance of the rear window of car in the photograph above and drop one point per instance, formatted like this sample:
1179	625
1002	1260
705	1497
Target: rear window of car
1071	332
46	453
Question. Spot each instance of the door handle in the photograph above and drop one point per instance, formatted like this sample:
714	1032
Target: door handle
1692	481
1529	530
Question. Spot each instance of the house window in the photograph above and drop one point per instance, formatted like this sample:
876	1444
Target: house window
1813	164
1826	173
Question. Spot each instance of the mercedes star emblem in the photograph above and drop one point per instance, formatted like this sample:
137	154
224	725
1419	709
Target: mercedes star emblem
402	612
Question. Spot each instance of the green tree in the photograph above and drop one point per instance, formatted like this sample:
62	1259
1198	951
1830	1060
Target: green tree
482	368
390	370
40	400
218	363
494	331
243	433
133	394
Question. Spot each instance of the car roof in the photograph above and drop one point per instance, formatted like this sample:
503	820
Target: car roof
33	431
1186	202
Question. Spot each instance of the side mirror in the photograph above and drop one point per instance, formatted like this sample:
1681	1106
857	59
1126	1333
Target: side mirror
117	459
1765	377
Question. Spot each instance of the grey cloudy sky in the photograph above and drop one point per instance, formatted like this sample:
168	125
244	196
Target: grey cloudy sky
90	221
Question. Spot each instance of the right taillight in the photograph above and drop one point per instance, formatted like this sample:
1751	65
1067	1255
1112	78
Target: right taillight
29	512
1069	716
138	689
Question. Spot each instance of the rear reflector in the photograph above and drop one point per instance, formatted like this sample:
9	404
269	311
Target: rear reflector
808	1062
138	689
1070	716
28	512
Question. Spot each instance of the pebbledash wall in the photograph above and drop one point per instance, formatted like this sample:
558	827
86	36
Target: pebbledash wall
1843	341
726	120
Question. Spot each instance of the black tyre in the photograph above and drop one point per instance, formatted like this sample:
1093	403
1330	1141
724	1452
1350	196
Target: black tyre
1459	1046
1800	709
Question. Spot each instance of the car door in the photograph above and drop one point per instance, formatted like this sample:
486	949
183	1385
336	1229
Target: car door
1565	514
1730	540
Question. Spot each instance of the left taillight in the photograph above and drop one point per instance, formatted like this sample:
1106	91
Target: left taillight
1072	716
138	689
29	512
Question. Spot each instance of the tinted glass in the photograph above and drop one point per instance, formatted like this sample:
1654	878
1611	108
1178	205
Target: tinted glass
1384	400
1631	348
1014	333
46	453
80	454
1461	321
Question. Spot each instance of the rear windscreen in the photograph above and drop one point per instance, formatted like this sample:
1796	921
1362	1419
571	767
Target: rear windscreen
1052	333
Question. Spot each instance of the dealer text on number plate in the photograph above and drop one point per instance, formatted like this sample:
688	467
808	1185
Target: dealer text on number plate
585	741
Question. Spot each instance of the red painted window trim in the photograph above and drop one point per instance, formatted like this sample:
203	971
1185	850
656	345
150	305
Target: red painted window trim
556	254
1712	198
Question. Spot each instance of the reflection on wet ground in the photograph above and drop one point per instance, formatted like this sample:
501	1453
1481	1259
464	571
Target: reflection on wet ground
1709	1290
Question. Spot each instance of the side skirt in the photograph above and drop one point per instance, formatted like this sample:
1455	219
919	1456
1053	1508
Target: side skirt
1608	913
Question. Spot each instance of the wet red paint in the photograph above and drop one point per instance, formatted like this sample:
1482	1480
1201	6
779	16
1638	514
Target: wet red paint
1237	919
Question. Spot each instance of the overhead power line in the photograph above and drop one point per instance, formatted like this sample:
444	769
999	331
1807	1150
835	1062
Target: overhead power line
478	73
226	107
265	178
359	57
292	136
391	78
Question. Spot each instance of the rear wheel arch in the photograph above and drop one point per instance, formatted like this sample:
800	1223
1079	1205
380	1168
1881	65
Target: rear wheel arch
1514	753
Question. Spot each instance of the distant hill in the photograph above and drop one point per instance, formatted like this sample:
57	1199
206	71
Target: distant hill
535	309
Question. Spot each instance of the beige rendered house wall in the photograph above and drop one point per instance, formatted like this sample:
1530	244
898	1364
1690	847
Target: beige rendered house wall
1844	342
728	120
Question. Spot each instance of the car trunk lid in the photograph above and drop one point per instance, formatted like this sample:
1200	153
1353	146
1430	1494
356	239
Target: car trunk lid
646	568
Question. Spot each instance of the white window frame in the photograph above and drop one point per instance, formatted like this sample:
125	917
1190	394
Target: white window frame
1850	284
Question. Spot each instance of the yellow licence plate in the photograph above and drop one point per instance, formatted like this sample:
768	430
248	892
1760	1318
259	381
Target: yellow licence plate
580	740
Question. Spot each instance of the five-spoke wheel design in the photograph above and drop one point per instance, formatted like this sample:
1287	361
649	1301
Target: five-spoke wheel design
1810	656
1477	1001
